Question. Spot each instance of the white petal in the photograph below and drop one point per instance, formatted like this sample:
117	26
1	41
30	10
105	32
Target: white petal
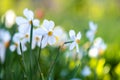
12	48
72	45
24	28
44	41
38	43
2	53
28	14
36	22
79	35
24	48
17	37
18	50
90	35
72	34
51	40
40	31
58	31
33	44
21	20
92	26
93	52
6	36
77	48
48	24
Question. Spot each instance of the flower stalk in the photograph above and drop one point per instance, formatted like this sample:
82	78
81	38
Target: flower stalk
22	62
31	33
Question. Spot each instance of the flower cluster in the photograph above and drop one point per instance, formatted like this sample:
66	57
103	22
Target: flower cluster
42	34
45	33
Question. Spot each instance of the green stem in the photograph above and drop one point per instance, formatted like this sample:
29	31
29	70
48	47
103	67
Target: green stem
22	62
31	33
67	42
76	71
52	66
39	52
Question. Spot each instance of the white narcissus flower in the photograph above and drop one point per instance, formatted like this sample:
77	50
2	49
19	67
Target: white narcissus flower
98	47
4	43
93	52
17	39
36	39
91	32
75	39
61	37
99	43
25	24
48	32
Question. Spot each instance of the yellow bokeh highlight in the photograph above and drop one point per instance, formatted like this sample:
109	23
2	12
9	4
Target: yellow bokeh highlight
117	69
100	67
107	77
96	11
93	62
72	65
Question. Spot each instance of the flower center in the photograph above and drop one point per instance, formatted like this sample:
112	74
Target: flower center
37	38
26	35
50	33
6	44
16	44
30	21
77	41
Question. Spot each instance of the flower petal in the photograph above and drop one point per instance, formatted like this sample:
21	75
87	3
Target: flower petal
40	31
18	50
72	45
58	31
92	26
2	52
72	34
33	44
28	14
77	48
44	41
24	28
51	40
79	35
17	37
21	20
12	48
36	22
48	24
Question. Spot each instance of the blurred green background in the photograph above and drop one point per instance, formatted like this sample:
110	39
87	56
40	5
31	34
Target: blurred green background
75	14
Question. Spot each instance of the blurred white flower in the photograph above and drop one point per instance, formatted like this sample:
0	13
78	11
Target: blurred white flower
2	52
93	52
10	18
48	32
17	39
4	43
36	39
91	32
25	24
75	39
98	47
99	43
62	36
86	71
